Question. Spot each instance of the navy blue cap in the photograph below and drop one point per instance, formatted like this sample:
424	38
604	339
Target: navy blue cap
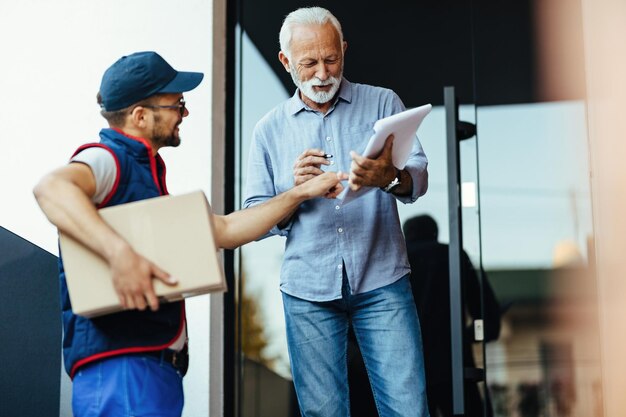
140	75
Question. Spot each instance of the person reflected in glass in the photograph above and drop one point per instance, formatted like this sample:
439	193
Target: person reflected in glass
431	289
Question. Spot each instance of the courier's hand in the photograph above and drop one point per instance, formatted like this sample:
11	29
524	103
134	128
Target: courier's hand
376	172
327	184
308	165
132	279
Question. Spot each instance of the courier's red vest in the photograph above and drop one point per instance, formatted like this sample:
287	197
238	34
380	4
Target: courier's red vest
139	176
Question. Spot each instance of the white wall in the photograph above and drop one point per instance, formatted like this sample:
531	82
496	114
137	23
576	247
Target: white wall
53	56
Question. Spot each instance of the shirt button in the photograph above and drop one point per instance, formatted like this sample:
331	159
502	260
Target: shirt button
340	230
332	163
337	207
328	138
339	266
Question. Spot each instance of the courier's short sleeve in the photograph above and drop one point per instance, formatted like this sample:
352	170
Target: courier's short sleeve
104	169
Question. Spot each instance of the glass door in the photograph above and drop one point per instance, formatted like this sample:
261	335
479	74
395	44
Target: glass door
534	209
523	192
416	50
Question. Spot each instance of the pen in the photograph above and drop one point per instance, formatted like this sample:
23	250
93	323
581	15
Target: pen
327	155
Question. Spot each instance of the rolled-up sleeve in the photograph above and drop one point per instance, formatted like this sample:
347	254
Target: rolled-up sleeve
417	167
417	164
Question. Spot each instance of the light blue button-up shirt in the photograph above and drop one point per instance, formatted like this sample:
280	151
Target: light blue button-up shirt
365	235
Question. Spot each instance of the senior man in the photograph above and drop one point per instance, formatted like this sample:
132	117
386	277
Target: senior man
344	265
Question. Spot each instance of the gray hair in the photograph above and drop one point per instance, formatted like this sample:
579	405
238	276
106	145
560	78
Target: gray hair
306	16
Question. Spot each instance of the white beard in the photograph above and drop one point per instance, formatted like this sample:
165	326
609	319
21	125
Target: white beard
306	87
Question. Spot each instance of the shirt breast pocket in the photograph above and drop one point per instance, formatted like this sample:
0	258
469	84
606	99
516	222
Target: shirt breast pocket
352	138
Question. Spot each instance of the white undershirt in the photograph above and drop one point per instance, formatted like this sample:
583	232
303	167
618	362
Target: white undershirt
103	167
104	170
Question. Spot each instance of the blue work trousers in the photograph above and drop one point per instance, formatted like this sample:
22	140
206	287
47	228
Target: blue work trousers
128	386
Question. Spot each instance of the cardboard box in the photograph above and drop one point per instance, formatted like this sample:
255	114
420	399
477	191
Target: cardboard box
174	232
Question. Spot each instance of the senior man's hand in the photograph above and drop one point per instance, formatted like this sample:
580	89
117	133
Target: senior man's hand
376	172
308	165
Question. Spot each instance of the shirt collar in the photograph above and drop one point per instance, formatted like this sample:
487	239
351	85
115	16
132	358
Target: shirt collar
296	104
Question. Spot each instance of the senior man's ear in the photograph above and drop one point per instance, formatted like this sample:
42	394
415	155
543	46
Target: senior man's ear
282	57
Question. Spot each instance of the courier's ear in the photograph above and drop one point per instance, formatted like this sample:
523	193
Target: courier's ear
137	118
284	60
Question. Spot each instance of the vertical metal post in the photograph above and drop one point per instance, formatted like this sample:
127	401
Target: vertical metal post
226	307
455	249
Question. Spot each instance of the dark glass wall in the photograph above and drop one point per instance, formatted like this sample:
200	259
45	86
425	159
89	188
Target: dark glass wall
30	329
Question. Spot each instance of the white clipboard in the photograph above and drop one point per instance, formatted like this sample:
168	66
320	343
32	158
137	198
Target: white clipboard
404	127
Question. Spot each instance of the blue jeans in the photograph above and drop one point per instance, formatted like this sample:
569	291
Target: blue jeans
128	386
387	330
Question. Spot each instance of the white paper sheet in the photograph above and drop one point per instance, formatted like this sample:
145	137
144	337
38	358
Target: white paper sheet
404	127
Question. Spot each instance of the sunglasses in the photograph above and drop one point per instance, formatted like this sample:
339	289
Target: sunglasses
180	106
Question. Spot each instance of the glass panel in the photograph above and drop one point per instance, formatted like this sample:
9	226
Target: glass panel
537	230
535	199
